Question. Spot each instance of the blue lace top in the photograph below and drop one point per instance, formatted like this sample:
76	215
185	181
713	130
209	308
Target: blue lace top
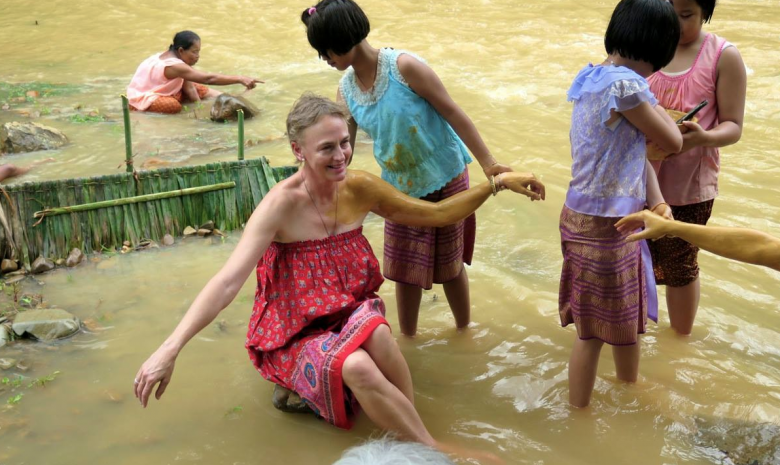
608	162
414	145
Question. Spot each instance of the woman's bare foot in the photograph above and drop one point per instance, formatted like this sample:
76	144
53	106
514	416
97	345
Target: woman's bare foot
470	455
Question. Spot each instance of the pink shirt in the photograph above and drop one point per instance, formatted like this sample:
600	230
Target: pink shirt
691	177
149	82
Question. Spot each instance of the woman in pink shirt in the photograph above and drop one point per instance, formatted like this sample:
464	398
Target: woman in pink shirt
166	80
705	66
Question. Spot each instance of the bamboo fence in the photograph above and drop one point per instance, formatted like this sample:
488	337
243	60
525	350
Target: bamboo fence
129	207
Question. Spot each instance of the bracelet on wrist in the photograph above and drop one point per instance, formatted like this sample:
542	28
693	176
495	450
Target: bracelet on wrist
493	185
658	205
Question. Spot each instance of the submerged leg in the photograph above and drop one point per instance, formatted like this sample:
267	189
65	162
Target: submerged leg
683	303
382	401
627	361
408	299
583	363
457	292
383	349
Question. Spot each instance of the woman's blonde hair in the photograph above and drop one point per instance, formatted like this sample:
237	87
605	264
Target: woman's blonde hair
308	110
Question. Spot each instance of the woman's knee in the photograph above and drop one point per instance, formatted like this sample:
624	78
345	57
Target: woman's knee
382	335
381	343
360	372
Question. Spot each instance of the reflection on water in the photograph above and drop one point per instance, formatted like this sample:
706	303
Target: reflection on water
501	386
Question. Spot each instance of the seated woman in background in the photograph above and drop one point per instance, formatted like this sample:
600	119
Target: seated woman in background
166	80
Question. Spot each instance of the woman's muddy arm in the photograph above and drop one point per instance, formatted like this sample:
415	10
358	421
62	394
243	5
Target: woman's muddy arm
388	202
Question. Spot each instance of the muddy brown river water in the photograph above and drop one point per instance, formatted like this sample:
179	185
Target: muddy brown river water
500	386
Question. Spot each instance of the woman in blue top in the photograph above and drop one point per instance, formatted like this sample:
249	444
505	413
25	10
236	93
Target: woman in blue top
607	284
419	134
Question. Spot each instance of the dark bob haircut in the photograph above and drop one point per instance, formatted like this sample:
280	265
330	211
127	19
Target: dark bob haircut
336	25
184	39
644	30
707	9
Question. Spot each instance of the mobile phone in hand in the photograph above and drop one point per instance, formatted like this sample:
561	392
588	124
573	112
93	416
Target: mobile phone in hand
689	116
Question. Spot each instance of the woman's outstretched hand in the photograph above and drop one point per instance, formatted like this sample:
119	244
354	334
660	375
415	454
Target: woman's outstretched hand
522	183
249	82
156	369
654	224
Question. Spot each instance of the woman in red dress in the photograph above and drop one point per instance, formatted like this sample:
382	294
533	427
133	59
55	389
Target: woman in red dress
318	326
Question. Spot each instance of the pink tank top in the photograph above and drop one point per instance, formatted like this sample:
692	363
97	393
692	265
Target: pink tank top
149	82
691	177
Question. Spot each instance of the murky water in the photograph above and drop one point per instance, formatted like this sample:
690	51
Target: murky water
501	386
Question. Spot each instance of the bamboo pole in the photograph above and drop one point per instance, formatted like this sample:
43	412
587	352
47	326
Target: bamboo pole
133	200
128	139
240	134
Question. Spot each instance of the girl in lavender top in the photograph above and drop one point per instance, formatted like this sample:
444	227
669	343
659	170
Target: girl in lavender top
607	286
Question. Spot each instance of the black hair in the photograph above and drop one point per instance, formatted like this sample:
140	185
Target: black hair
184	39
336	25
707	9
644	30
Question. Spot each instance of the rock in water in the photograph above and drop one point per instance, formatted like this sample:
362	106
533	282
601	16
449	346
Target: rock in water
741	442
74	258
226	108
8	266
18	137
289	401
5	335
47	324
42	265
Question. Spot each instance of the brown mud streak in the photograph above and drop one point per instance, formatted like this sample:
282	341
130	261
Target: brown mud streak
403	161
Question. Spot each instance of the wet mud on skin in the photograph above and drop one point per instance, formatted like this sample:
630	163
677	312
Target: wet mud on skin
501	386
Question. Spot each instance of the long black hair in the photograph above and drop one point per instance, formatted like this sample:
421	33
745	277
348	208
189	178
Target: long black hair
707	9
644	30
335	25
183	39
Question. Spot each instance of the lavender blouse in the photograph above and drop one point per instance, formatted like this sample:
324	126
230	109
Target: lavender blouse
608	162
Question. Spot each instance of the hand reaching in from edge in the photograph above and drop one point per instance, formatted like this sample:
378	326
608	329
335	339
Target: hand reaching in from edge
655	225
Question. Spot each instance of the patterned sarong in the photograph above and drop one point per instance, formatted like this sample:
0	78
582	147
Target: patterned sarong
422	256
317	376
173	104
607	286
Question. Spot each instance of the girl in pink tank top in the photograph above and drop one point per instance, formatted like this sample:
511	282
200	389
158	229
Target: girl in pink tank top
705	67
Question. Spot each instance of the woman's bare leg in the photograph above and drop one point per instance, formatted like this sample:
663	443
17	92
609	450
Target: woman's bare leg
383	349
583	364
457	292
408	299
382	401
390	409
683	303
627	362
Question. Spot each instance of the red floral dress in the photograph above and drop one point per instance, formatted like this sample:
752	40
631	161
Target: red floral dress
315	304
